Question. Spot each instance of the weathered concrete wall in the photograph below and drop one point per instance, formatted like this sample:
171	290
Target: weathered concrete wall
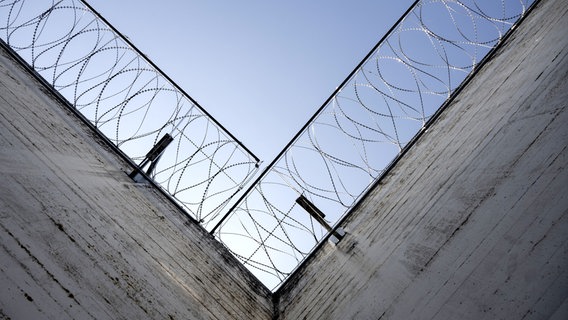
79	239
472	223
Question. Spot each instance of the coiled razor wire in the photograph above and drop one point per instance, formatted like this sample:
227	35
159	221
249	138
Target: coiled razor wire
346	146
129	100
361	129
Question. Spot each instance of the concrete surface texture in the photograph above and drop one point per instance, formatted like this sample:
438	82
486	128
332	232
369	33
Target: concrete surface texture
472	223
80	240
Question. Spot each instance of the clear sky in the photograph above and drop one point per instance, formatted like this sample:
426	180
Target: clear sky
261	68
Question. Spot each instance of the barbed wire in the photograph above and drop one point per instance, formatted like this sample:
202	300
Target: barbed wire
348	144
127	98
361	129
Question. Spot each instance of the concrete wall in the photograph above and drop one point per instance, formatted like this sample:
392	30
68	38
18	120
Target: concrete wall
80	240
472	223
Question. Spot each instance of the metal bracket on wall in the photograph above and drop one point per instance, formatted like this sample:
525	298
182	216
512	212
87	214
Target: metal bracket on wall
152	157
315	212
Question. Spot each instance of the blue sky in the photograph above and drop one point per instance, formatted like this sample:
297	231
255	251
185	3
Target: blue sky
261	68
